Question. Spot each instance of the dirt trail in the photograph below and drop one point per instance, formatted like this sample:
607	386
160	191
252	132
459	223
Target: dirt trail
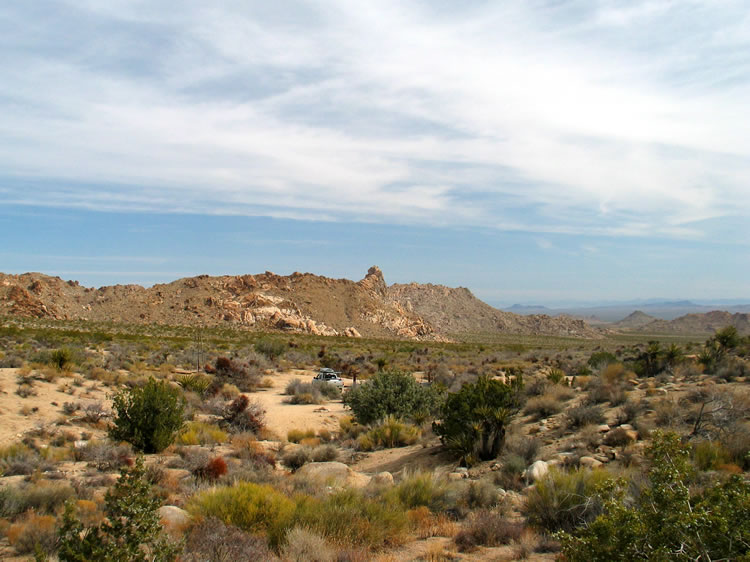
281	417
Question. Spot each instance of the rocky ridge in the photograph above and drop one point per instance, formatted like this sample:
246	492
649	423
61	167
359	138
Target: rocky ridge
298	303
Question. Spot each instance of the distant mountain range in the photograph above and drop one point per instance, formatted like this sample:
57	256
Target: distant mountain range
663	310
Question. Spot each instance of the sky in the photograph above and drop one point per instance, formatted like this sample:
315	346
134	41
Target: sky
537	152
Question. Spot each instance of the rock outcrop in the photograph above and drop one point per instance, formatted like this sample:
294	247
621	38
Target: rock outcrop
296	303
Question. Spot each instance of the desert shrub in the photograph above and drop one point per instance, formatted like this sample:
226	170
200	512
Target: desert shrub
297	435
131	530
543	406
212	470
487	528
478	494
350	517
421	489
245	415
256	508
510	475
34	534
350	428
70	408
565	500
61	358
194	383
668	520
25	390
709	455
600	359
271	348
213	540
525	446
245	377
147	417
556	376
324	453
629	411
17	458
617	437
41	497
392	432
229	391
303	393
391	393
668	412
304	545
201	433
105	454
93	412
472	422
584	415
296	457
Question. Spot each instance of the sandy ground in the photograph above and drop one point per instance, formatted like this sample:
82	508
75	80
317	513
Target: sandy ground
46	406
48	402
281	417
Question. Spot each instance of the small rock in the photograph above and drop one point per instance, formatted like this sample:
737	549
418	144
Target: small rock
590	462
536	471
603	428
626	426
382	479
173	518
456	475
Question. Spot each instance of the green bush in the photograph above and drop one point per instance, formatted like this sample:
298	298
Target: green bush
350	517
256	508
194	383
709	455
392	393
148	417
61	358
473	420
668	520
421	489
272	349
392	432
131	531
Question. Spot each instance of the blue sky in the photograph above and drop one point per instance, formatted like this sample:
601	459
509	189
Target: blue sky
532	151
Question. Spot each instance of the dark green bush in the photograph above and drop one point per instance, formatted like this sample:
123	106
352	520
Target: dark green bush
392	393
131	531
473	420
148	417
668	520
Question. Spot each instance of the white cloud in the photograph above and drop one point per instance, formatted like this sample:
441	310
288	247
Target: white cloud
572	118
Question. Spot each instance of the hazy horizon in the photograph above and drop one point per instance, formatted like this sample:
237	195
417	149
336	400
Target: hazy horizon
534	152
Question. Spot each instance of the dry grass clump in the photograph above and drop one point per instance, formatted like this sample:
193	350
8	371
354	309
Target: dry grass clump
427	524
389	433
40	497
304	545
297	435
201	433
34	533
564	500
549	403
618	437
584	414
310	393
211	539
488	528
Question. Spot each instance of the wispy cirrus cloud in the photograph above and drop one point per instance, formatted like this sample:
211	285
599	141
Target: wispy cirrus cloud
572	117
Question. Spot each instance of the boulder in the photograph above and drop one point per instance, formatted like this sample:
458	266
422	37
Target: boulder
333	474
173	518
382	479
536	471
589	462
